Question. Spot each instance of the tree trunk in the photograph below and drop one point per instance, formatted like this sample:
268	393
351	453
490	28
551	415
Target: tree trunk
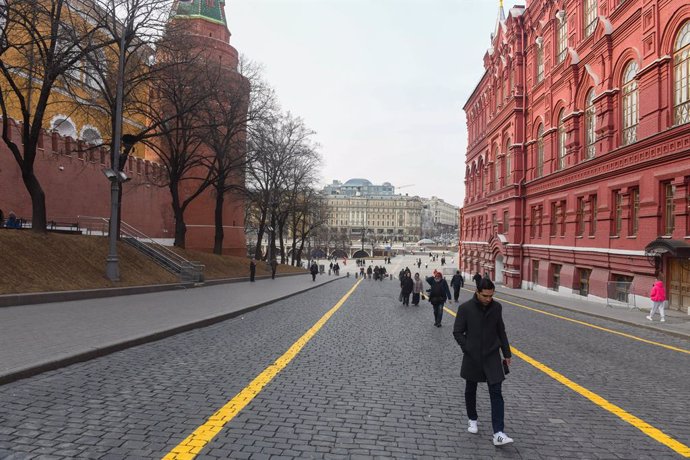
218	217
38	201
178	213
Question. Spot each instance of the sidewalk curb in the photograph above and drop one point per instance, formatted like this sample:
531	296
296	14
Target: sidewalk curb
650	327
30	298
113	347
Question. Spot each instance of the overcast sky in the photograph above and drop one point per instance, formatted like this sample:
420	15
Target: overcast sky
382	82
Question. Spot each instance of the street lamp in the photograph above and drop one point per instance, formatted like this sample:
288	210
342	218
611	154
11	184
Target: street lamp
116	177
270	243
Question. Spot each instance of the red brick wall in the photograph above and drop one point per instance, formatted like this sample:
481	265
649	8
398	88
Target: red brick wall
74	185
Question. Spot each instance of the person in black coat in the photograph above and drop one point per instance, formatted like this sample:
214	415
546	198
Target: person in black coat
456	283
252	270
314	270
407	285
481	334
438	293
477	278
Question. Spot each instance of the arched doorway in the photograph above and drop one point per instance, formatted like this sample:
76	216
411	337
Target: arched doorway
499	269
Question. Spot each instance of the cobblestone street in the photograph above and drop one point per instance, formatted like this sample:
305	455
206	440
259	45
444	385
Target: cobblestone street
377	380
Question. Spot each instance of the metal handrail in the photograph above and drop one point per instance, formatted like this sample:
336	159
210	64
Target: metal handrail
167	258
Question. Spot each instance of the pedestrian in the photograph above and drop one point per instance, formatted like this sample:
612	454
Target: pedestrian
336	269
407	288
658	296
481	334
456	283
401	277
252	269
314	269
274	267
438	293
417	289
477	278
369	271
13	221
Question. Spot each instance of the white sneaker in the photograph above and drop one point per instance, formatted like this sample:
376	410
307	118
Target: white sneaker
501	439
472	426
649	318
663	320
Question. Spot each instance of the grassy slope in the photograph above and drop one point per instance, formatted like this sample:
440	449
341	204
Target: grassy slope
32	262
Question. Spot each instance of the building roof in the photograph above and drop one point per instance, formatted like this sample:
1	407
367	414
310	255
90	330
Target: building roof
356	182
201	9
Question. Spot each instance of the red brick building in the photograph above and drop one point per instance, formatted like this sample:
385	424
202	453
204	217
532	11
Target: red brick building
578	168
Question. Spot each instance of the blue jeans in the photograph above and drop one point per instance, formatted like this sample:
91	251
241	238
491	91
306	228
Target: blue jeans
497	406
438	313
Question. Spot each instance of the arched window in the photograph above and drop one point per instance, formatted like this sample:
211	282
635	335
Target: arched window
540	151
497	170
509	165
92	68
629	104
540	64
91	136
66	49
590	16
681	73
562	38
561	139
590	126
63	126
482	177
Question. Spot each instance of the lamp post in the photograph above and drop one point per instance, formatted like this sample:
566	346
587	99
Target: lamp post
115	174
270	243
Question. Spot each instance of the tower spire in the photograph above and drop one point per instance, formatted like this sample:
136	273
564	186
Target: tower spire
500	19
209	10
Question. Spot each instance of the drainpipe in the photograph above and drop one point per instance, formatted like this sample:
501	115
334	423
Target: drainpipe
521	183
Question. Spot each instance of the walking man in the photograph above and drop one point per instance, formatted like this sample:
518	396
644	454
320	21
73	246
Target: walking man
477	278
456	283
274	267
252	270
481	334
438	293
314	269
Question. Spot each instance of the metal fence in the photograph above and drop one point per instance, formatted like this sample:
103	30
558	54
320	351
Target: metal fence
619	295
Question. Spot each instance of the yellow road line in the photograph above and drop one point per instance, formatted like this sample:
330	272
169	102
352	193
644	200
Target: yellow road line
638	423
195	442
593	326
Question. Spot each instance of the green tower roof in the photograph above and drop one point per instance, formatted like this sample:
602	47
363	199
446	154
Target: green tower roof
210	10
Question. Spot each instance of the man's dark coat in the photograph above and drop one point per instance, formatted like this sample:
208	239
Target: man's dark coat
407	285
481	333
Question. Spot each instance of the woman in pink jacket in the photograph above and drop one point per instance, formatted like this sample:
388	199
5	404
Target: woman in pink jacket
658	296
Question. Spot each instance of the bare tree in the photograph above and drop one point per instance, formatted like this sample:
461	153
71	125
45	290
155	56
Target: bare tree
176	112
276	146
43	43
308	215
117	79
239	99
